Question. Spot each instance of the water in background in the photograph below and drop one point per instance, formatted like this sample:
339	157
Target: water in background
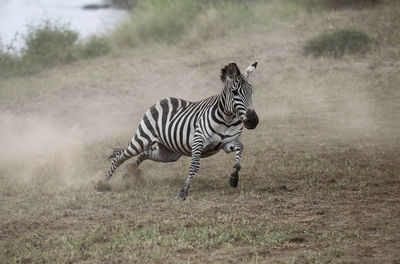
17	15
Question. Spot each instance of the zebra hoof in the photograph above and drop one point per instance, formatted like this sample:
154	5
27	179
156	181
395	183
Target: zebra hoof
233	180
182	195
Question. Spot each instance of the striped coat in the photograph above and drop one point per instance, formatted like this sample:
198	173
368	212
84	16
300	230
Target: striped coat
175	127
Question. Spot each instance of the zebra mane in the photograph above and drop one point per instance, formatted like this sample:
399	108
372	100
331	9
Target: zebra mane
231	70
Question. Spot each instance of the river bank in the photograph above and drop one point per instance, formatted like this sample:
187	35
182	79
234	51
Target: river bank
18	17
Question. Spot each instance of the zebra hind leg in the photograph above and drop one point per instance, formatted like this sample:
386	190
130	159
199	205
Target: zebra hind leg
157	153
132	170
119	156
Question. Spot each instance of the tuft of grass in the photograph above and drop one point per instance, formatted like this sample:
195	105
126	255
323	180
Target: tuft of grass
338	43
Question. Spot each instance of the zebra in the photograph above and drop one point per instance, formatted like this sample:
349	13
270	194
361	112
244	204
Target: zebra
175	127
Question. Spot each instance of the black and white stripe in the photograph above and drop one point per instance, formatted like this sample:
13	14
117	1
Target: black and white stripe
175	127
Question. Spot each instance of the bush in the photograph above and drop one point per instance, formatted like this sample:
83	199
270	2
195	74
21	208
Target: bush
337	43
95	46
48	45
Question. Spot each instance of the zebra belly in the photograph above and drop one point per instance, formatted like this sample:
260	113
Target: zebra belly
227	144
211	150
209	153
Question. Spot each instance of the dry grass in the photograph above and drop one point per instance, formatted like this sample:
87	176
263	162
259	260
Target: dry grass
319	180
190	23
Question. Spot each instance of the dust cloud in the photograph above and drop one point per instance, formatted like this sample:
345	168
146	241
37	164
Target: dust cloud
35	146
30	136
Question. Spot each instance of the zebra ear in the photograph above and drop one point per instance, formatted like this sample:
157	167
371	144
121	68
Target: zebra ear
250	70
229	71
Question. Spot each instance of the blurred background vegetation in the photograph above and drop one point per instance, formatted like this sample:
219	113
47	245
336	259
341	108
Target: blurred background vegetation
188	22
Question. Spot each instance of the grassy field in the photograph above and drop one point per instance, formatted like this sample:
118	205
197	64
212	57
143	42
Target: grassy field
320	178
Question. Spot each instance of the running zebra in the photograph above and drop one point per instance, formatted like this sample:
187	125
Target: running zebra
175	127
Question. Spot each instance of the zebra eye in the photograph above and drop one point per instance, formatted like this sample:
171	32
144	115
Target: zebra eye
235	91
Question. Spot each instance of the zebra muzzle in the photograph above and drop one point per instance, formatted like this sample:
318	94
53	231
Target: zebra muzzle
251	120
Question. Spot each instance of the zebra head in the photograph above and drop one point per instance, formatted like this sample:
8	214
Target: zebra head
239	93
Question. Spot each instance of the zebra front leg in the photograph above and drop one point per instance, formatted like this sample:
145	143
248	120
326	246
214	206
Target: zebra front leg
198	146
234	179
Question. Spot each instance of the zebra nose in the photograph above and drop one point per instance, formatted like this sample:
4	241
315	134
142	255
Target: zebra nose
251	121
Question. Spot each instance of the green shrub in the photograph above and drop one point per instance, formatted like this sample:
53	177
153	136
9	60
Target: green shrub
45	45
49	45
337	43
95	46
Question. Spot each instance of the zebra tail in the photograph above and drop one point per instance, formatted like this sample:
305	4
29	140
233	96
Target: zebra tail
116	152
